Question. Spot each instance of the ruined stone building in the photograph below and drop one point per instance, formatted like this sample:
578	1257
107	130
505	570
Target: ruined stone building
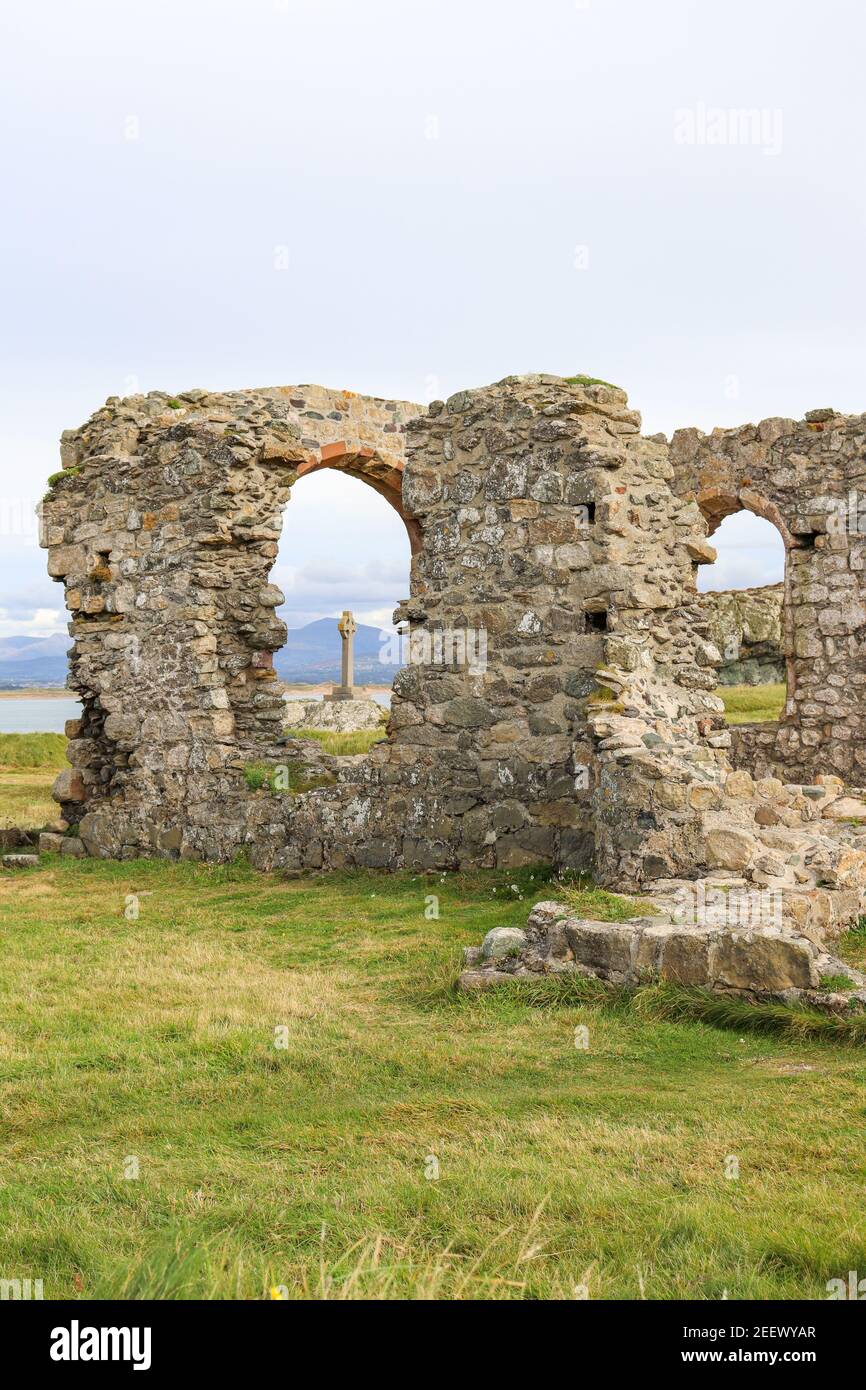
539	515
746	627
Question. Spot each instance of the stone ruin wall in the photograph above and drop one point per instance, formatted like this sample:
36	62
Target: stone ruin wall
808	477
537	512
164	527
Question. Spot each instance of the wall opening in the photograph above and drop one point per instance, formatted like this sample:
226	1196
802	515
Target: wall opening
342	548
595	620
745	603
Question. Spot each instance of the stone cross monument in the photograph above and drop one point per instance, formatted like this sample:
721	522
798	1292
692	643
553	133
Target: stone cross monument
347	628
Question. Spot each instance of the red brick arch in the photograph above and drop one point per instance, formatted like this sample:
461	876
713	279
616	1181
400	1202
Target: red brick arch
383	475
717	503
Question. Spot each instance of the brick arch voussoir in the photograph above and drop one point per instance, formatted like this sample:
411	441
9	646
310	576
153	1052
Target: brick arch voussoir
717	503
382	474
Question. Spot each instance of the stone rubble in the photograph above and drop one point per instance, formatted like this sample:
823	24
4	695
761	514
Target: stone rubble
758	963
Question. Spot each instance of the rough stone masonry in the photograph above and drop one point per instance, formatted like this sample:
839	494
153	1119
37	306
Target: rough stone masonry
746	626
540	517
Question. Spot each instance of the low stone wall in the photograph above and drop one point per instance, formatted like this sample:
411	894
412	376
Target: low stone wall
334	716
787	877
758	963
756	748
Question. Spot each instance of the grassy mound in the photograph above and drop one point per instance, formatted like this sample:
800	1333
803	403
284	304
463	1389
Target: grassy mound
361	741
33	750
589	381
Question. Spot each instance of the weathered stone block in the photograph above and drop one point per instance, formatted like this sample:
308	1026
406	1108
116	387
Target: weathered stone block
471	980
64	560
729	848
764	961
503	942
68	785
604	947
648	955
72	847
686	958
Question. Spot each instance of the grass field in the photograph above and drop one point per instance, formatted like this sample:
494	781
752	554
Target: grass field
218	1084
28	765
228	1084
748	704
340	744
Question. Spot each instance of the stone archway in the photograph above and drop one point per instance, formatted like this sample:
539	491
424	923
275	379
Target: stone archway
798	475
254	691
717	505
164	527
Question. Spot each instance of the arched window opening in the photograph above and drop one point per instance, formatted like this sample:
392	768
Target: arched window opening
745	603
343	550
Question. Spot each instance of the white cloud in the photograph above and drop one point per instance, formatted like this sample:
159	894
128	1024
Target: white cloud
48	620
43	622
751	552
377	617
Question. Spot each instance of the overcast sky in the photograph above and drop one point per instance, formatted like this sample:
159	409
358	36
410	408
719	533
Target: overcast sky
465	190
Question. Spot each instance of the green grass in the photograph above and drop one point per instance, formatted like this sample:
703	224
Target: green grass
748	704
55	478
150	1036
838	983
361	741
588	381
28	765
287	778
599	905
25	798
33	750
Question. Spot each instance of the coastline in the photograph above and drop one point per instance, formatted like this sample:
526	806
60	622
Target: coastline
35	693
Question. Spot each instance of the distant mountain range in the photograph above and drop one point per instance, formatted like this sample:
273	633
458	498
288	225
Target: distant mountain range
311	653
35	662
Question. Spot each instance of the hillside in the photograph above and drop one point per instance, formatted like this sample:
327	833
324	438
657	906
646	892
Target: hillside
312	653
33	662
